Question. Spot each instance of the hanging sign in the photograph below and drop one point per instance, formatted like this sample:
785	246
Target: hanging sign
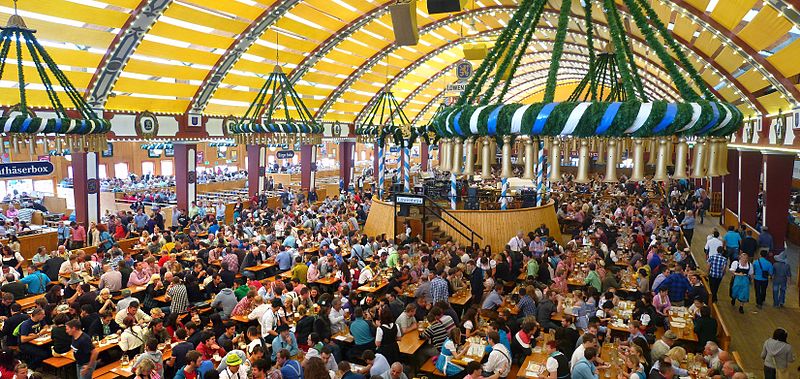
25	169
409	200
285	154
199	158
394	149
456	87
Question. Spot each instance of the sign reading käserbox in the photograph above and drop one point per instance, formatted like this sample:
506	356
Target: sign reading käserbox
285	154
409	200
24	169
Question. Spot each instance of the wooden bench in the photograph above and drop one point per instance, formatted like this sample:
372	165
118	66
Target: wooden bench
723	335
60	365
738	359
108	375
429	368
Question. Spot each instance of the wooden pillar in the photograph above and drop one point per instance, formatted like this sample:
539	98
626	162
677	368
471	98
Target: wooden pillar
308	167
730	182
347	162
778	168
86	187
750	166
185	173
256	169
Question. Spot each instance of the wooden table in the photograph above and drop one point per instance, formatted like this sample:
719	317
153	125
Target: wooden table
535	359
461	297
126	371
410	342
327	281
343	336
471	357
679	316
133	289
371	289
29	302
261	267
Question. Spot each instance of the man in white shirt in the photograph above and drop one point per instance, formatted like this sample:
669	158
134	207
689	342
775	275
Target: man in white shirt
589	340
499	361
336	316
406	321
713	243
366	274
269	321
517	243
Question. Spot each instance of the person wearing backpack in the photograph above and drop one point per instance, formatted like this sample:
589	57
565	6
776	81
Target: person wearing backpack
762	270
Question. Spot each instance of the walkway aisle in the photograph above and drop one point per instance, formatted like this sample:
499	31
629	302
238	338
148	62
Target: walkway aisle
750	330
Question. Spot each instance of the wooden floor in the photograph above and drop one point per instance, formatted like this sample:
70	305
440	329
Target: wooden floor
750	330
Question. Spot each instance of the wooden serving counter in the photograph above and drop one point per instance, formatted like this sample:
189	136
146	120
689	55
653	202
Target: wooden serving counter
29	243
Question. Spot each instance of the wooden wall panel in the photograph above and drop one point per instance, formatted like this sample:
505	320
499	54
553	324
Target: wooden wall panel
496	227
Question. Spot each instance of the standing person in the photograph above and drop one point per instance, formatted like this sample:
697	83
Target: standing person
762	271
777	354
83	349
687	225
732	240
78	236
781	274
717	263
740	285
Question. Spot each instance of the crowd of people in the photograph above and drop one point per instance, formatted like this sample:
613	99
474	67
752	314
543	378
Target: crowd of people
299	291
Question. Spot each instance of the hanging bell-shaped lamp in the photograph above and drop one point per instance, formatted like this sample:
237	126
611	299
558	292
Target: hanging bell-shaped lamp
583	162
723	156
555	160
601	147
486	158
661	161
699	160
506	164
652	148
713	158
638	160
681	155
611	162
469	156
530	158
458	146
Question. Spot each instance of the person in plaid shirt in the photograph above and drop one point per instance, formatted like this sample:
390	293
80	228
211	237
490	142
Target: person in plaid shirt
677	285
717	264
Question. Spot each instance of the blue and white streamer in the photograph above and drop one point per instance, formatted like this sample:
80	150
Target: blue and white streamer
406	170
381	170
540	178
453	195
503	193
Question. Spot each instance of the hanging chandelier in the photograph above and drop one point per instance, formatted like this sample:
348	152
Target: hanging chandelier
386	120
268	120
609	104
73	122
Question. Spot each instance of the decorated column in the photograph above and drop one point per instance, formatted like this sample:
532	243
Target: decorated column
730	182
381	170
86	187
424	156
347	152
185	173
376	157
778	168
750	166
308	167
256	169
540	172
406	169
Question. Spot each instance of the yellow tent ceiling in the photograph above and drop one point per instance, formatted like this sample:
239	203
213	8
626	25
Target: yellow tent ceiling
744	49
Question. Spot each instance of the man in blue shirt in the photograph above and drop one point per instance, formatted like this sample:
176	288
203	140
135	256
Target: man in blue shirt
717	265
584	368
765	239
30	330
140	219
284	259
762	270
284	340
687	225
36	281
732	239
363	335
290	368
677	285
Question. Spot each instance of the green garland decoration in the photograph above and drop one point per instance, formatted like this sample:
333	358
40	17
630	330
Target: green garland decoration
614	29
528	30
673	45
623	35
558	50
587	11
680	82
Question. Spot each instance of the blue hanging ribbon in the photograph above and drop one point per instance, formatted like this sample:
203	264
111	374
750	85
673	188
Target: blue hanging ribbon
608	117
713	121
669	117
541	118
58	126
492	123
26	124
456	127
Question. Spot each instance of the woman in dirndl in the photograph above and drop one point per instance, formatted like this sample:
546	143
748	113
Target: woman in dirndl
742	272
450	351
